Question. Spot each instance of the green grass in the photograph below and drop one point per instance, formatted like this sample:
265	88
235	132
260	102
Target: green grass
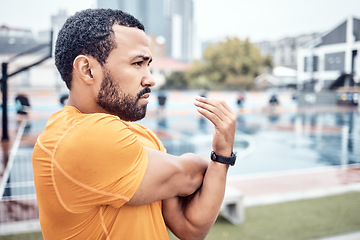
299	220
25	236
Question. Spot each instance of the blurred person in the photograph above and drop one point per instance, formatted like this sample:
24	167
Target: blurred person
22	106
63	99
99	175
273	102
161	111
162	96
202	120
204	93
240	101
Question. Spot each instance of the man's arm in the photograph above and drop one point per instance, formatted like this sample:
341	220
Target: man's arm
168	176
192	217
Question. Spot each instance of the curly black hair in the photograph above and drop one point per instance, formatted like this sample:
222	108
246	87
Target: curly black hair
89	32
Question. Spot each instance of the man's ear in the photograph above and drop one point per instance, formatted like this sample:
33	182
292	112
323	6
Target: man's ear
83	68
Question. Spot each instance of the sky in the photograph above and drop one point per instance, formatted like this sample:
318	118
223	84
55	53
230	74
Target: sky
271	19
254	19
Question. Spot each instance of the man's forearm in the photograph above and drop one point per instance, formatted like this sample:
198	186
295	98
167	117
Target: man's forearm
192	217
204	207
200	210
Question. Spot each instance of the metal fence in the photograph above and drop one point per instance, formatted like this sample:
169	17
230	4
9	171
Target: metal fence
18	205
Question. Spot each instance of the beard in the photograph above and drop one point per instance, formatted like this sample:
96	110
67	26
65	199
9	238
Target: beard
119	103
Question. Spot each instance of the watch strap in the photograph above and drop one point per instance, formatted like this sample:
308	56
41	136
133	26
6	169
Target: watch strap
221	159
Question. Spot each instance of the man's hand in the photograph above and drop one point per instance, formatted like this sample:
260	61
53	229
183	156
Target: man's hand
193	216
224	120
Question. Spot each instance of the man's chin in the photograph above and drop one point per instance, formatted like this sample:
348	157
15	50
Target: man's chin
139	114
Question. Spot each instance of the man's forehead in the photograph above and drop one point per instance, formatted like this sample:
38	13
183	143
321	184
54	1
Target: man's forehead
129	32
131	39
130	36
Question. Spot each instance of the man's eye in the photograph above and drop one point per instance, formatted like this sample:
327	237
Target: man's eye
138	63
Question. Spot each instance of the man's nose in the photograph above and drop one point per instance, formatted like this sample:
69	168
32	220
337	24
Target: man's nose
148	80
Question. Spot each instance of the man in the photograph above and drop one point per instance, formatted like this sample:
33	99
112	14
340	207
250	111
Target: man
100	176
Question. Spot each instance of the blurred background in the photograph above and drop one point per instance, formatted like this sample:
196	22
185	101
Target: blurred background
289	69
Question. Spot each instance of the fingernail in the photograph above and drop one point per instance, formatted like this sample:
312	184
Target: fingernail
199	97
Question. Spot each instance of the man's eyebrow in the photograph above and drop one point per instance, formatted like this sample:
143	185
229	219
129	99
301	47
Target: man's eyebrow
143	57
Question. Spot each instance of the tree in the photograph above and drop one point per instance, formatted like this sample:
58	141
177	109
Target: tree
175	80
228	64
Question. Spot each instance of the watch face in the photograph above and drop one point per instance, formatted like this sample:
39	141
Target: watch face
213	156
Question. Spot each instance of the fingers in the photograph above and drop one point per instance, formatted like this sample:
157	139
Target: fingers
215	110
224	120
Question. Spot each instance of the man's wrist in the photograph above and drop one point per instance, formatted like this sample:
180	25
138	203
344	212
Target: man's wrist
223	152
223	159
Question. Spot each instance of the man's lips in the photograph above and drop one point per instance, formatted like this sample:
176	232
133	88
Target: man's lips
146	95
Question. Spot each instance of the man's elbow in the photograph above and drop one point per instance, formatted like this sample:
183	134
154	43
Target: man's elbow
194	170
190	186
194	233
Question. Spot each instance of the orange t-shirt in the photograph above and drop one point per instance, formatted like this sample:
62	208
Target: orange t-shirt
86	168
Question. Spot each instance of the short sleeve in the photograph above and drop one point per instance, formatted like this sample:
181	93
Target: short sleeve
99	161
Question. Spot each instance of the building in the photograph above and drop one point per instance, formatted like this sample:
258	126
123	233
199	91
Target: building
15	40
45	76
284	51
170	19
332	55
180	16
20	48
280	77
150	12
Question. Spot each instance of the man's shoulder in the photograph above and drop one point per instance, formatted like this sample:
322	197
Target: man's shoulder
70	120
72	116
101	123
72	123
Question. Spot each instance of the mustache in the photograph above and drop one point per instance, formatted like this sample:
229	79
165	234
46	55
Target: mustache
142	92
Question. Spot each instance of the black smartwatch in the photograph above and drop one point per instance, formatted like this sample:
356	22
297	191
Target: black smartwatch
225	160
